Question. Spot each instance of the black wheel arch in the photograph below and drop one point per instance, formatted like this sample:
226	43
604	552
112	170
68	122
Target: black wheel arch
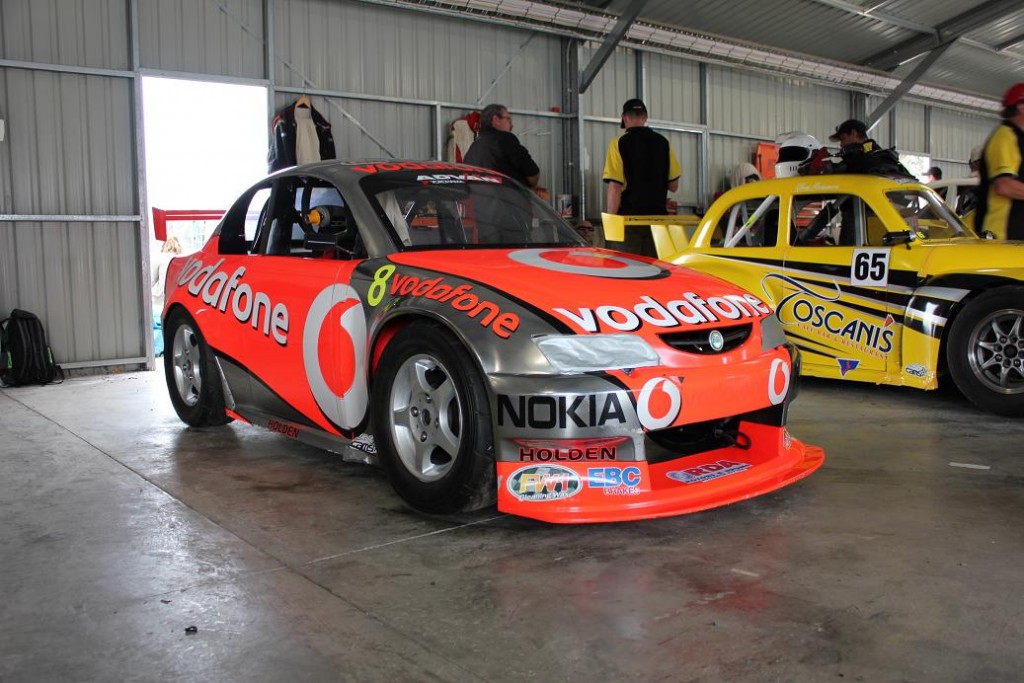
976	285
389	326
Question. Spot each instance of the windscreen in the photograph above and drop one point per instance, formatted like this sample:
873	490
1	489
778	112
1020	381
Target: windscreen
457	209
927	215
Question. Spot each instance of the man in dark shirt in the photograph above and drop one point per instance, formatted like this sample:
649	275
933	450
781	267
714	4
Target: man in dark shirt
499	150
504	218
640	170
861	154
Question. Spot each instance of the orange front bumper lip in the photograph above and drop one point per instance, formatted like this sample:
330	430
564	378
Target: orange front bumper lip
681	486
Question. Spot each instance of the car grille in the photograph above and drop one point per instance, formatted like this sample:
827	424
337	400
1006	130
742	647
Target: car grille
691	439
697	341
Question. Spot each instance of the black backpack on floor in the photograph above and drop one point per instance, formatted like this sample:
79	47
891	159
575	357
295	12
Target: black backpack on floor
25	357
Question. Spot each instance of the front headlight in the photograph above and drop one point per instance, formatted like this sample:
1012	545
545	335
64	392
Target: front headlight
772	335
592	353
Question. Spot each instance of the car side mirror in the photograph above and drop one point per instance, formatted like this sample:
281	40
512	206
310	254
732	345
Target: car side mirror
901	237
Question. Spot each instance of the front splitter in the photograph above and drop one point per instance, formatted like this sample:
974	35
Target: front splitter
621	491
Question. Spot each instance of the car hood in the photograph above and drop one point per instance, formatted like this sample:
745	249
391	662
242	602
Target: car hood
983	257
597	290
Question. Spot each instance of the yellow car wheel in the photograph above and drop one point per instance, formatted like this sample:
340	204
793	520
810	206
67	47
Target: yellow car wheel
985	351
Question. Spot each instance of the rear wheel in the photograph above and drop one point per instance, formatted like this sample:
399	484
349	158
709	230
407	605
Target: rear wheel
985	351
193	380
432	422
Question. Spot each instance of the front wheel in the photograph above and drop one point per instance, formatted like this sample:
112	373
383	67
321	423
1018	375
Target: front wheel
432	422
985	351
193	380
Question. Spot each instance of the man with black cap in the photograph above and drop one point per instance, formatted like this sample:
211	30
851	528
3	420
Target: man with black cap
1001	193
861	154
640	170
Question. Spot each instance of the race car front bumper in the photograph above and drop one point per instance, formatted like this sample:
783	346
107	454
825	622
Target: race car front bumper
767	458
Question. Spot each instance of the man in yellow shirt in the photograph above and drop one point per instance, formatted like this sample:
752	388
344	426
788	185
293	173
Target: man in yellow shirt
1001	193
640	170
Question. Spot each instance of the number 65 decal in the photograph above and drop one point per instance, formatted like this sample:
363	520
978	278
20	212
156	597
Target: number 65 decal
870	267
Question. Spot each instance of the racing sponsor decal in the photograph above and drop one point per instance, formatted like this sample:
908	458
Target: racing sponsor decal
778	381
544	482
460	297
703	473
407	166
449	179
917	370
562	411
220	291
283	428
870	267
335	364
581	262
808	310
846	365
577	450
615	481
659	403
691	309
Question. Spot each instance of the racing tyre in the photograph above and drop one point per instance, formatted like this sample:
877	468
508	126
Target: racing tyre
193	380
432	422
985	351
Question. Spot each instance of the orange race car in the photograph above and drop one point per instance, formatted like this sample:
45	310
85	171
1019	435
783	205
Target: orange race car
443	322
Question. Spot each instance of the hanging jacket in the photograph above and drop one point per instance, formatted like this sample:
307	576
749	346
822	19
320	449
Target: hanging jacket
282	149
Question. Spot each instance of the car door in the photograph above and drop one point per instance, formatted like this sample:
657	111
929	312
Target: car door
305	344
835	305
217	282
742	242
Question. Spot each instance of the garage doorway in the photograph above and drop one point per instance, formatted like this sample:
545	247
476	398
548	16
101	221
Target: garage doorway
205	142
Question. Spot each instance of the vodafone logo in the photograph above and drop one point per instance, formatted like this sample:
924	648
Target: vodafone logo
778	381
659	403
334	354
586	262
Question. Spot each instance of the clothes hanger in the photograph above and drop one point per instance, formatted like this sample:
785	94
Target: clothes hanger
303	101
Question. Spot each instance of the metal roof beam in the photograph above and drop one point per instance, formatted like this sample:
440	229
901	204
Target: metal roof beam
613	38
883	17
893	20
953	28
904	87
1008	43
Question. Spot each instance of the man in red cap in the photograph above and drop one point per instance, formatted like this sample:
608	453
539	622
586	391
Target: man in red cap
1001	193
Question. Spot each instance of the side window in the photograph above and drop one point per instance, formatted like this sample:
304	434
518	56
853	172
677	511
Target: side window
309	218
255	213
239	229
750	223
828	220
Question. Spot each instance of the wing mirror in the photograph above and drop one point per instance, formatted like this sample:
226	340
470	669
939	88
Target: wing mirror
901	237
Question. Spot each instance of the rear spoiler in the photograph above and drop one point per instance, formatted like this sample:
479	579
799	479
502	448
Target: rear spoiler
671	233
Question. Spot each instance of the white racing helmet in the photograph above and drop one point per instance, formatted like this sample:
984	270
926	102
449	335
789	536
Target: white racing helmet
795	149
741	174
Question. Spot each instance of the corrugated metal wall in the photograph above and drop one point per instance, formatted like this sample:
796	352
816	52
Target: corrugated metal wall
87	33
71	245
222	37
70	151
758	104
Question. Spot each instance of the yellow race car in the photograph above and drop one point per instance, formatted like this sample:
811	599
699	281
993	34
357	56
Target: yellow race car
875	279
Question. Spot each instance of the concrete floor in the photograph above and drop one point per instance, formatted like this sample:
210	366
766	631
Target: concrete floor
120	527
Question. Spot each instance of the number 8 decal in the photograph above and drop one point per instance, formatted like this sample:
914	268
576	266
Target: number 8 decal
870	267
